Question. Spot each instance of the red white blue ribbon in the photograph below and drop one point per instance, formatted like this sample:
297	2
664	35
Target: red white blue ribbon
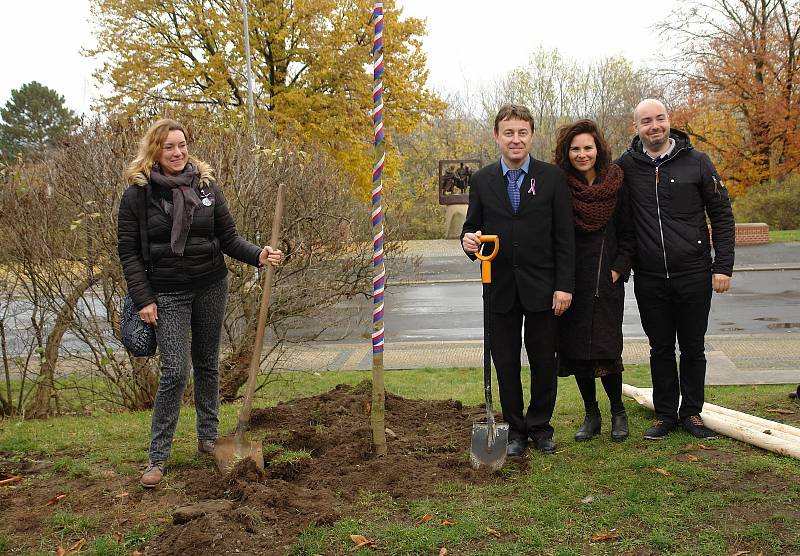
378	268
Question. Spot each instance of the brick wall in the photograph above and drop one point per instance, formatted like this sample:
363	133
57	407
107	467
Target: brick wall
750	233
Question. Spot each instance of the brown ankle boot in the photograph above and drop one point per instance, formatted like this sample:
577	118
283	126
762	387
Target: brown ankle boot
152	474
206	446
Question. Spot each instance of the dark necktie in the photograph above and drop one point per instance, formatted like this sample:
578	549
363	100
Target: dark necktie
513	188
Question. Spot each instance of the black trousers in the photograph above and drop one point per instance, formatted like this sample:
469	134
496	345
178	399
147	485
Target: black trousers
673	308
540	344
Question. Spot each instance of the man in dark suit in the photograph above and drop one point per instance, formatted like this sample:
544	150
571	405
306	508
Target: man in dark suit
527	204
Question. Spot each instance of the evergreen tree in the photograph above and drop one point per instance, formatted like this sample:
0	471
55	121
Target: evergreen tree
33	119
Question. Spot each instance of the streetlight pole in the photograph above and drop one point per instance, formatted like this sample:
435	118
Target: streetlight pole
250	107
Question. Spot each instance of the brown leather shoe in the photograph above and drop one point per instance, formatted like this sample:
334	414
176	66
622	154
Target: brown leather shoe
152	474
206	446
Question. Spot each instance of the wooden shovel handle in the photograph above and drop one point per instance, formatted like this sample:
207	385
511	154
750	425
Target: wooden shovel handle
255	361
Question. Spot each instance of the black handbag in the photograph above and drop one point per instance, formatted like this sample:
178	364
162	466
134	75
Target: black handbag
138	337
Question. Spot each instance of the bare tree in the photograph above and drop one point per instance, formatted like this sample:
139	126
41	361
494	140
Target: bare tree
59	250
560	90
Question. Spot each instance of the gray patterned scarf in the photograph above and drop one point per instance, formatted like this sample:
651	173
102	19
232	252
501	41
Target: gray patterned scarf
184	201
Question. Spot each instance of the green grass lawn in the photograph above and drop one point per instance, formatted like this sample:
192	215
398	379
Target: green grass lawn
675	496
776	236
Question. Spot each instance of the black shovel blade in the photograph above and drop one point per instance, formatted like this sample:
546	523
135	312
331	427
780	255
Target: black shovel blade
487	453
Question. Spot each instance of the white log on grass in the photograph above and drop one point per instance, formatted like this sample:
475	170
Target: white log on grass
763	433
758	422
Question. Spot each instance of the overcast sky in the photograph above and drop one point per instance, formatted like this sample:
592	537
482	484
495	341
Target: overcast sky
468	41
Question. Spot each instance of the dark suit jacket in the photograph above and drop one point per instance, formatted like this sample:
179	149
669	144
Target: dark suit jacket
537	245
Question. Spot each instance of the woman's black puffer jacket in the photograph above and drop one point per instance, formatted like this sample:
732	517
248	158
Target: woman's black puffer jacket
212	233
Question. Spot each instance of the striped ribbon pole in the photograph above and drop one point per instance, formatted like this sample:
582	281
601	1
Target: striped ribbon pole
377	414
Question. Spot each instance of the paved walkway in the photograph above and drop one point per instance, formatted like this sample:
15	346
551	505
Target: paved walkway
732	359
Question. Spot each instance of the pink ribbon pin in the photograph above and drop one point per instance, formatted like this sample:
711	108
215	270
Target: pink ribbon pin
532	189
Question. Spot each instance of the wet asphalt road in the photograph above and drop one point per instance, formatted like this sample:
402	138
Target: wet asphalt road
759	302
441	300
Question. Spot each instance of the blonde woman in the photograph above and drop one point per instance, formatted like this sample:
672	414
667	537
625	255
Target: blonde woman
185	287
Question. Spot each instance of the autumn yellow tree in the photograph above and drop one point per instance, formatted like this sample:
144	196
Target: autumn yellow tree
311	61
740	61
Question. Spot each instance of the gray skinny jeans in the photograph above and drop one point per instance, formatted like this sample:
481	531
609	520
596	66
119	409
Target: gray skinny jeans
201	312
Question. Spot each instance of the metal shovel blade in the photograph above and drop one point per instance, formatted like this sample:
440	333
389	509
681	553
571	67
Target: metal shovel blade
489	443
230	450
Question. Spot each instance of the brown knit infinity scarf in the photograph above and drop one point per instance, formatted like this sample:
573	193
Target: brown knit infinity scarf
594	204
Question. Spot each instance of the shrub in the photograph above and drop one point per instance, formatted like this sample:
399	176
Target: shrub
60	279
774	203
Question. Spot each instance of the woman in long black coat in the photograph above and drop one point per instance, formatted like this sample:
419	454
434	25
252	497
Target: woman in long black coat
590	332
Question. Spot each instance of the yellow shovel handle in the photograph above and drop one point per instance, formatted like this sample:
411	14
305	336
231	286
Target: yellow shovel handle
486	260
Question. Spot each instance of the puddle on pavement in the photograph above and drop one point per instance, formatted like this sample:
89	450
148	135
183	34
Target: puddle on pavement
784	325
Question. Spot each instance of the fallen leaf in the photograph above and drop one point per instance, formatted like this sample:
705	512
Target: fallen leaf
370	544
361	541
493	532
390	433
661	471
55	499
782	412
121	495
443	551
136	553
605	536
447	523
11	480
74	549
426	518
692	457
587	500
704	447
741	553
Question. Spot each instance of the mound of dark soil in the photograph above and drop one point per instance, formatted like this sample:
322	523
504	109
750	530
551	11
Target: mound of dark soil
428	442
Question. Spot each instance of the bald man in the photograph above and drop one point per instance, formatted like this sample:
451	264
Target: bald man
672	188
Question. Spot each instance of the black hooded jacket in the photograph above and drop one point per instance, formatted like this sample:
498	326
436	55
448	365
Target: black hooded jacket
212	233
669	200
